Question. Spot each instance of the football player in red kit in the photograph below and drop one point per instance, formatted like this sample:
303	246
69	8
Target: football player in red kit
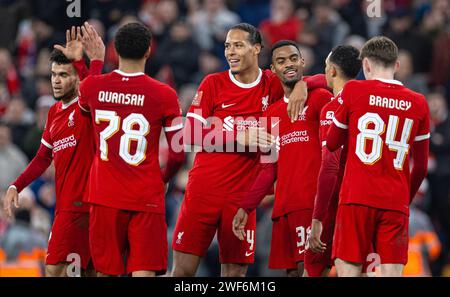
296	169
231	102
66	140
129	109
342	65
380	121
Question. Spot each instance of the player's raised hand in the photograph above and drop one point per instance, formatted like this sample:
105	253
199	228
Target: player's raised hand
92	43
73	49
239	222
11	198
255	136
314	242
297	100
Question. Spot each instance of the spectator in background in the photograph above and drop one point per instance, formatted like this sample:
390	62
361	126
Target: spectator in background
19	119
32	139
4	98
208	64
330	30
110	12
111	57
20	237
436	24
167	12
283	24
11	12
402	32
43	33
416	82
356	41
8	73
211	24
435	20
354	12
12	160
179	52
439	171
423	247
310	61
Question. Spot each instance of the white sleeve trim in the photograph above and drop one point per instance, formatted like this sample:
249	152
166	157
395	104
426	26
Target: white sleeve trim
173	128
324	143
46	143
197	117
340	125
82	108
422	137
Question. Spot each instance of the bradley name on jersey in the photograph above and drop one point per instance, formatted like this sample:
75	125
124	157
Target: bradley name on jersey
389	103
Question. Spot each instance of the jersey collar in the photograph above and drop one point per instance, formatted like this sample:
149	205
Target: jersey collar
65	105
390	81
128	74
242	85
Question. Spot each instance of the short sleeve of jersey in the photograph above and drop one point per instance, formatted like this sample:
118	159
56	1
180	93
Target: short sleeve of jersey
326	119
46	136
172	113
275	88
424	125
83	101
341	115
202	105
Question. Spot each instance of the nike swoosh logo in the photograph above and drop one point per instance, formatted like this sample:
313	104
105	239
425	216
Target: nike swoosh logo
247	254
227	105
301	251
274	125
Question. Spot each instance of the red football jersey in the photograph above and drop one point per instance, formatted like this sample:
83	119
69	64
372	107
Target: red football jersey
236	106
68	134
299	152
383	119
129	110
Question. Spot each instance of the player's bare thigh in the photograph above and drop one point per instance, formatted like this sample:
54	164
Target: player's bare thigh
184	264
233	270
296	272
347	269
60	270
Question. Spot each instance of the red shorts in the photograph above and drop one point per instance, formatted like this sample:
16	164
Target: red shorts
288	244
138	237
69	235
200	217
361	230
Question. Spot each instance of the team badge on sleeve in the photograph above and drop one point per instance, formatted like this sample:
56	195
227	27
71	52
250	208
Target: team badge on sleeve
197	98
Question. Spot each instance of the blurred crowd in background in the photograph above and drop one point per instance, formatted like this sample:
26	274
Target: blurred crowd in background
187	45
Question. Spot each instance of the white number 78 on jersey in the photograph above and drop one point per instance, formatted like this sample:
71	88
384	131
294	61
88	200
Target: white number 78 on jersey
130	134
374	134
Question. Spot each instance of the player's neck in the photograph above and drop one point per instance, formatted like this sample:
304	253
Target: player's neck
67	99
247	77
287	90
386	74
131	66
338	85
